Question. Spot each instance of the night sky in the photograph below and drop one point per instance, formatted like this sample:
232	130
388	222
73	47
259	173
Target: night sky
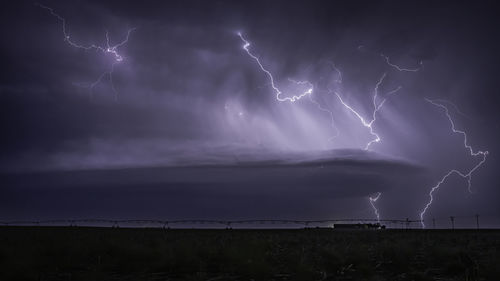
190	126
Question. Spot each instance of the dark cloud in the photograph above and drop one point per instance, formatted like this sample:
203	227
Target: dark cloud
288	185
187	93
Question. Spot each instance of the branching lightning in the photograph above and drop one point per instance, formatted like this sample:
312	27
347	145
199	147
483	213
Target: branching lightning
339	73
465	175
399	68
376	108
108	49
373	200
378	103
293	98
455	107
326	110
309	92
330	113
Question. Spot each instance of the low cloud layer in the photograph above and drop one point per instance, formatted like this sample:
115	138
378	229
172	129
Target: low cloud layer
285	186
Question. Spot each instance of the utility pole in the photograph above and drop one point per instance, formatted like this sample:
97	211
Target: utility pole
433	223
477	221
452	218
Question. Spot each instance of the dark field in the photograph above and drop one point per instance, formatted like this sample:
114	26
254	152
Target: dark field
77	253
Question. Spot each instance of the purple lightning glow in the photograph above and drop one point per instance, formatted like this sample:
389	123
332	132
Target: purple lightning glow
338	80
465	175
339	73
376	109
294	98
455	107
108	49
319	106
377	105
373	200
399	68
332	119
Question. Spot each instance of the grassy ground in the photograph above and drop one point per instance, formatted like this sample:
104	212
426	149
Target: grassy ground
77	253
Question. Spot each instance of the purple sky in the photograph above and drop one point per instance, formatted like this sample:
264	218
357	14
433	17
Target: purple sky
193	128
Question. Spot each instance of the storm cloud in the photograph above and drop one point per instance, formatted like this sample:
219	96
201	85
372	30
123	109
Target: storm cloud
196	129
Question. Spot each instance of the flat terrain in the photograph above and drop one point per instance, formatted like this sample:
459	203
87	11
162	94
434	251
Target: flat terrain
80	253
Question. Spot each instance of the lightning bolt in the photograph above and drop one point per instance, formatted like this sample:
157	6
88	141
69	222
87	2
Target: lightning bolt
326	110
319	106
455	107
376	108
465	175
339	73
332	119
373	200
378	104
108	49
401	69
293	98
